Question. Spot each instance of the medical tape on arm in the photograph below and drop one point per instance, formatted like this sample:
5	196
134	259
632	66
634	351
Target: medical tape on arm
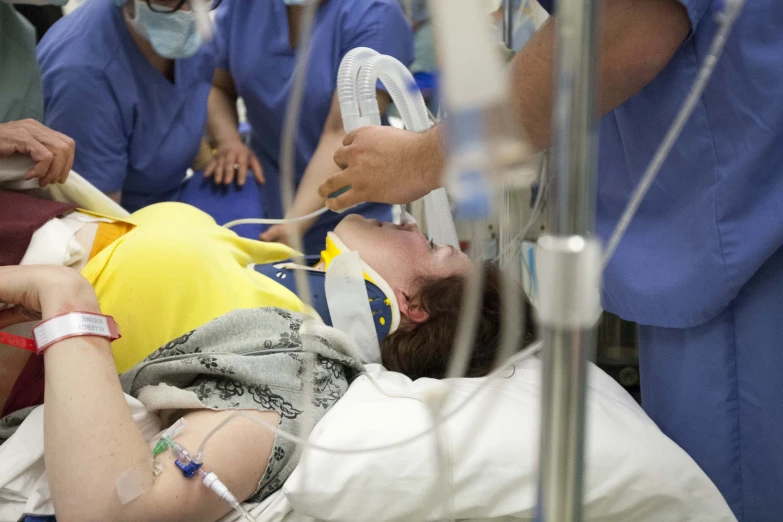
349	305
134	482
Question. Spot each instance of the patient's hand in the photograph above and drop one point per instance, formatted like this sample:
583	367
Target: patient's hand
52	151
276	234
45	289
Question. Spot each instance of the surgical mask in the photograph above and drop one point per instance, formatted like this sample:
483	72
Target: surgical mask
37	2
172	35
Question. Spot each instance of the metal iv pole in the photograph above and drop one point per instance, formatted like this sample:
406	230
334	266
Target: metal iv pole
569	266
508	23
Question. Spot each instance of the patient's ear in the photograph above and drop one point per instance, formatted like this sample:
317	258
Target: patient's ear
411	309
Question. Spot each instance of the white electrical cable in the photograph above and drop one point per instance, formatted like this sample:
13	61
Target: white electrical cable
470	308
528	352
201	10
287	179
726	21
445	481
538	206
513	313
265	221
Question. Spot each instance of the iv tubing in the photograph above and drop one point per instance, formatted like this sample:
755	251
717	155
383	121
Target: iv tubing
208	478
288	141
201	10
287	165
470	310
264	221
727	19
513	312
527	353
538	205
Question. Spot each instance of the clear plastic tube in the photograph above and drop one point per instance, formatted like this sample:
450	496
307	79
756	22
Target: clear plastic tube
402	89
401	86
726	21
287	165
203	21
346	87
208	478
511	337
470	309
527	353
264	221
288	141
538	206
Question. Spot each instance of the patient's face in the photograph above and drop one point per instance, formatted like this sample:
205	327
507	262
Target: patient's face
400	253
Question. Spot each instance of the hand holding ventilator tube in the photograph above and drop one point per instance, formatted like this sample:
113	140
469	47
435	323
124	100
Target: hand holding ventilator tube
384	165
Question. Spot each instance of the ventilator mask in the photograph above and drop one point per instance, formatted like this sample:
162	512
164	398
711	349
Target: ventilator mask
172	35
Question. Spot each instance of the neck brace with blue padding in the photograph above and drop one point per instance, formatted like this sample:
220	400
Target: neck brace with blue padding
384	308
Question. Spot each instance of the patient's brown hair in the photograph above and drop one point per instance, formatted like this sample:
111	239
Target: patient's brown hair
424	350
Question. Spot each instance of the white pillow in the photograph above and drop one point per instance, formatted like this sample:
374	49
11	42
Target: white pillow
634	472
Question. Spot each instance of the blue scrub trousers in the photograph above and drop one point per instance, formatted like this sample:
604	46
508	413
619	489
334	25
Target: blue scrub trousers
717	391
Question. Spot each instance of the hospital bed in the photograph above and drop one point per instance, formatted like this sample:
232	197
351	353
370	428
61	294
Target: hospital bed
634	472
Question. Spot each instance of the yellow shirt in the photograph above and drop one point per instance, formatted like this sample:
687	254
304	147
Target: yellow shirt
175	271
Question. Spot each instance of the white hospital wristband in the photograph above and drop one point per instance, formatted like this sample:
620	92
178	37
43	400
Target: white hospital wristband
74	324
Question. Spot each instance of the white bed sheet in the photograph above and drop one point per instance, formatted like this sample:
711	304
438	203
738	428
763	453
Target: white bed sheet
24	486
276	508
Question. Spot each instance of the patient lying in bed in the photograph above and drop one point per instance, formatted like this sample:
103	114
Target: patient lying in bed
169	269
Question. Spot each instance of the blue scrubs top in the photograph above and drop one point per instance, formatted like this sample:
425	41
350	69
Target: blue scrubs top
134	130
255	49
715	212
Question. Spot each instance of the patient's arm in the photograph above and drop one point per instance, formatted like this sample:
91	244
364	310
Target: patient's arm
91	438
12	360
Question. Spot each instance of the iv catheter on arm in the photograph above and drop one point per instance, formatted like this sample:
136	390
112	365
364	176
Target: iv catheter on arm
191	468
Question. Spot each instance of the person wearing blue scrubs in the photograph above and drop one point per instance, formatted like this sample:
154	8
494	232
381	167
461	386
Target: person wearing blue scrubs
258	41
21	102
122	81
701	266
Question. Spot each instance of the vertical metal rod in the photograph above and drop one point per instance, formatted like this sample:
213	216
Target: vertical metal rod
575	141
508	23
571	213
